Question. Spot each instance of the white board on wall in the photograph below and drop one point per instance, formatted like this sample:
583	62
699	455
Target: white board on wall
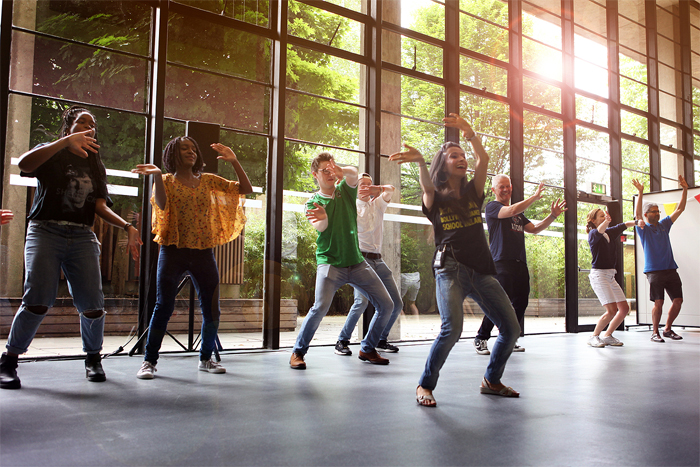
685	242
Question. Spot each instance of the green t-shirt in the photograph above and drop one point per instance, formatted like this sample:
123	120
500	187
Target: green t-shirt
338	245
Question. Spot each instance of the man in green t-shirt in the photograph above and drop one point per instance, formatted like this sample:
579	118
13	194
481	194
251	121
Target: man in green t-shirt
333	213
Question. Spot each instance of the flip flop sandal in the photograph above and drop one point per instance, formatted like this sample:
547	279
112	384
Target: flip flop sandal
506	391
426	398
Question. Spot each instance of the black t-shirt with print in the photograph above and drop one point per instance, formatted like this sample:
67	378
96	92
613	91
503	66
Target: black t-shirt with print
506	236
67	189
458	223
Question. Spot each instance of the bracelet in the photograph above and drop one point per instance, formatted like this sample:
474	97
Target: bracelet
126	226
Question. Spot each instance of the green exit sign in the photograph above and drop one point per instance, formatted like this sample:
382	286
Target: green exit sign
598	188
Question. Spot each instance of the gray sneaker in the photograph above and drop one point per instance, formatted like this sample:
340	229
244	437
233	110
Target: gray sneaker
610	340
594	341
481	347
211	366
147	370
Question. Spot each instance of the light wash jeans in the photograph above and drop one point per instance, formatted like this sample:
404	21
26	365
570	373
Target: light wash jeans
328	280
455	282
173	264
49	249
360	304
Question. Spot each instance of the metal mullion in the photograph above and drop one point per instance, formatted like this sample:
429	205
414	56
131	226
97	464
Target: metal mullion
592	161
5	52
483	58
73	101
654	133
327	49
336	10
634	110
632	79
568	104
595	97
418	119
414	74
323	145
310	94
635	139
450	66
482	93
539	110
217	73
272	271
484	20
226	21
517	107
686	94
554	151
592	126
539	77
83	44
391	27
154	137
541	43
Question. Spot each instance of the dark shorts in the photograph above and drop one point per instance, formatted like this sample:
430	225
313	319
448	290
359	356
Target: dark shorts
667	280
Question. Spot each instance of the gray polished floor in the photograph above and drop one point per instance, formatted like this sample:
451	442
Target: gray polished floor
636	405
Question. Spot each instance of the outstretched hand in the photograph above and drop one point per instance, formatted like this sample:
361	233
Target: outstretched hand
538	192
638	185
455	121
411	154
134	243
146	169
370	190
558	207
682	182
317	214
607	217
225	152
81	142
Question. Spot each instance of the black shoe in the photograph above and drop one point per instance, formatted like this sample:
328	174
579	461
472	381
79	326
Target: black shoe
93	368
341	348
384	346
8	372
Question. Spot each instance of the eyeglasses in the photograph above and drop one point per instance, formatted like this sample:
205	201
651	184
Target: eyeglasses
326	171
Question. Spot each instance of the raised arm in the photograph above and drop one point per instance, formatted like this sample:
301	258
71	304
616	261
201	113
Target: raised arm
159	189
638	209
385	191
482	159
78	143
604	225
684	198
411	154
227	154
556	208
520	207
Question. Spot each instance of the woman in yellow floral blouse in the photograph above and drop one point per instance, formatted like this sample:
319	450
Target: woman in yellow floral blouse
192	213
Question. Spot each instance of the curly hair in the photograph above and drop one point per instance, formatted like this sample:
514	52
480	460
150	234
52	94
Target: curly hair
171	155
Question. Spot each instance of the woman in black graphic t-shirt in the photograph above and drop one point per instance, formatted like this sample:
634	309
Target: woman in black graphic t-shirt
462	263
71	189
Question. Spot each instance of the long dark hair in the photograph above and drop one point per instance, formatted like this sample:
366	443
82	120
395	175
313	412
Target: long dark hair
438	172
68	118
171	155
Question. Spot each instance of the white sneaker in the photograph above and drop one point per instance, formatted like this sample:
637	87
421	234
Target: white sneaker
481	347
610	340
211	366
146	371
517	348
595	341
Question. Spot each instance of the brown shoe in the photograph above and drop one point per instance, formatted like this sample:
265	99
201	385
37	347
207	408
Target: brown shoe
373	357
297	361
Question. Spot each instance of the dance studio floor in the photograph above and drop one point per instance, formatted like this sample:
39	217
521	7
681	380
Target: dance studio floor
638	405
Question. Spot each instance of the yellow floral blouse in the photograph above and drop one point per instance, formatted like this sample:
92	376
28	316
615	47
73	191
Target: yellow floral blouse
201	217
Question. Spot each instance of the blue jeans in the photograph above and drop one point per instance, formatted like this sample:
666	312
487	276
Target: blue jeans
49	249
328	280
514	277
454	283
360	304
173	264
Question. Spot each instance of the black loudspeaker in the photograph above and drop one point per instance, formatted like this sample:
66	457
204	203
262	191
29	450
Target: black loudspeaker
205	134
